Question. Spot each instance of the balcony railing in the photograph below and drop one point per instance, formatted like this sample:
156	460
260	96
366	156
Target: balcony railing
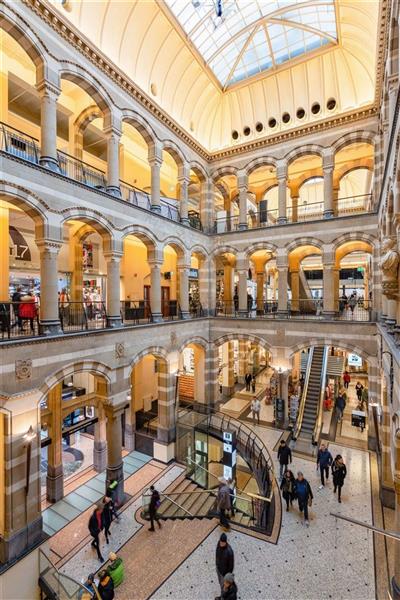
134	312
82	316
304	308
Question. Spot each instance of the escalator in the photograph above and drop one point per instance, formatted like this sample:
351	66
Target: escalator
308	424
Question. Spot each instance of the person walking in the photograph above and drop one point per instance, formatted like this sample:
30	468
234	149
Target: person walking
255	410
96	525
304	495
154	505
223	503
339	473
253	384
364	398
287	488
340	404
107	516
224	560
346	379
359	391
352	303
284	457
247	380
230	590
324	461
106	586
16	299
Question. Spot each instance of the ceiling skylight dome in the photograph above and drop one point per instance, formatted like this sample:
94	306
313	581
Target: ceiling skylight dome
241	38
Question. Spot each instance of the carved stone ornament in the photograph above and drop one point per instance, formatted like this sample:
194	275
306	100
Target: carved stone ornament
119	350
23	369
389	265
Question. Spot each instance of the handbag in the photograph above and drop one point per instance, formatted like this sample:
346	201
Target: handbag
310	501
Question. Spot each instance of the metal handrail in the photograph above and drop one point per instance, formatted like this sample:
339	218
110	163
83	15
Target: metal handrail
176	503
391	534
299	420
318	421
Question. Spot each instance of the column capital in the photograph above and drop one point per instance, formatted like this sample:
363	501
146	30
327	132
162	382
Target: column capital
184	173
112	132
328	159
281	169
155	156
112	256
242	180
113	412
48	88
49	246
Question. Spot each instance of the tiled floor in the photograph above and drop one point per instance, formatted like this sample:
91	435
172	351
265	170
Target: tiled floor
56	516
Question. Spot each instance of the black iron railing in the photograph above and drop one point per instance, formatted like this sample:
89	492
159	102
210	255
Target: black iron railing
82	316
134	312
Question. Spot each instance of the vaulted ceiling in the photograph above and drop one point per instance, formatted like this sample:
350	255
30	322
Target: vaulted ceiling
261	67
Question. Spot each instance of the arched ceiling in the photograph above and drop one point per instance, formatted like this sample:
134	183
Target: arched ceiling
263	58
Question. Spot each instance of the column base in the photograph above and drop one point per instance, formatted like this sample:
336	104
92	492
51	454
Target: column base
113	322
282	313
99	456
50	328
185	314
156	208
164	452
157	318
328	214
55	483
129	437
13	546
116	473
114	190
395	589
49	163
329	314
243	313
282	220
242	226
185	221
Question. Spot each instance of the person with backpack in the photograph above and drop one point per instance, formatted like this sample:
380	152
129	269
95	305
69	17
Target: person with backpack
324	461
304	495
96	525
106	586
224	560
284	457
287	488
154	505
339	473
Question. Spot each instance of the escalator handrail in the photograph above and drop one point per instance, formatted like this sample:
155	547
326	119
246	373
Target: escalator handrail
318	422
299	421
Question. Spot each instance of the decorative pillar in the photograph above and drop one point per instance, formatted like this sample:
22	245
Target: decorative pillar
256	358
55	473
100	434
295	205
242	185
113	136
4	254
281	174
49	94
206	205
336	190
212	395
183	270
242	271
184	180
155	161
205	286
229	284
155	261
328	289
389	265
114	451
328	166
49	313
164	447
295	289
282	268
113	260
260	277
228	372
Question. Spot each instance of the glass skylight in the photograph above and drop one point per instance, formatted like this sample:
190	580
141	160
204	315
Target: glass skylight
252	36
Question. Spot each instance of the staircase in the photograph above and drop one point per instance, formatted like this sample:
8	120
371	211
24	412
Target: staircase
186	387
187	500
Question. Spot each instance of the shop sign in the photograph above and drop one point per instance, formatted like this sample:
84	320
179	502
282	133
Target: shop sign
193	273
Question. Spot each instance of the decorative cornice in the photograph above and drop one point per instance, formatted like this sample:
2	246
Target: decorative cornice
94	55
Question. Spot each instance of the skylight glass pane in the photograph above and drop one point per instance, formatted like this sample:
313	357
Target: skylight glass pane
237	44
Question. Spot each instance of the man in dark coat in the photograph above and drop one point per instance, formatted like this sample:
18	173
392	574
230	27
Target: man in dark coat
230	590
224	559
155	502
96	524
284	457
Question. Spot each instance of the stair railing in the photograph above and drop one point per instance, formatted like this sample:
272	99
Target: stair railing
146	501
318	422
299	421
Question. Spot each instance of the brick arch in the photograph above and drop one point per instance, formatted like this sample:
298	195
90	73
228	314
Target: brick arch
174	150
197	340
269	247
226	249
199	250
94	367
222	171
354	137
30	203
83	79
306	150
176	244
256	163
354	236
198	169
141	125
143	234
157	351
230	337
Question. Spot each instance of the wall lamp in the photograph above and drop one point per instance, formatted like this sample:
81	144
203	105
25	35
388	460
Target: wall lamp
28	437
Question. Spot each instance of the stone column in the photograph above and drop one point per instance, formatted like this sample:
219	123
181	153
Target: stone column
328	289
242	360
100	441
295	289
114	450
282	268
260	276
166	430
55	474
184	180
49	94
229	285
183	270
113	260
281	174
228	373
76	266
242	272
4	253
206	205
113	137
212	395
295	205
328	166
155	161
155	261
49	313
336	190
284	391
256	358
242	185
205	286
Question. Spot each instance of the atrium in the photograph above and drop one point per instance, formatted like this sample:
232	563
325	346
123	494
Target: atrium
200	299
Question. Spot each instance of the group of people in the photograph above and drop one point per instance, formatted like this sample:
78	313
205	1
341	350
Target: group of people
299	488
109	579
25	309
101	519
250	381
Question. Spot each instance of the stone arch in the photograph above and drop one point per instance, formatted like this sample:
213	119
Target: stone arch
94	367
92	218
200	250
361	164
268	246
197	340
230	337
256	163
226	249
157	351
354	137
21	32
140	124
354	236
222	171
337	343
303	180
32	205
307	149
143	234
83	79
172	149
198	169
88	115
304	241
176	244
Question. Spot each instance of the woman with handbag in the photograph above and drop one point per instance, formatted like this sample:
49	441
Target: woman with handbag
339	473
287	488
304	495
